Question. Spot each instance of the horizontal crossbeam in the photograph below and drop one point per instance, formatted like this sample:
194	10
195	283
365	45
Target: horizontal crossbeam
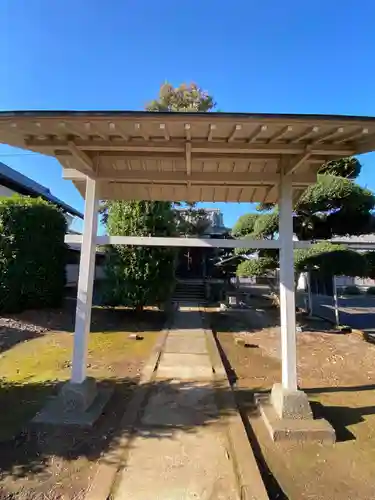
196	147
206	178
154	241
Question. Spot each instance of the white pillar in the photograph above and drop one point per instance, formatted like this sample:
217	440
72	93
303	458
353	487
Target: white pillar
287	294
309	292
85	283
336	300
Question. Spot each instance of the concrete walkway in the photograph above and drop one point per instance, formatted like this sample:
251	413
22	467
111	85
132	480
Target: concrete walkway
180	450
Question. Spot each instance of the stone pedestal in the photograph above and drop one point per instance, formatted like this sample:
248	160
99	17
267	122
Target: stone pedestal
78	397
288	416
290	404
76	404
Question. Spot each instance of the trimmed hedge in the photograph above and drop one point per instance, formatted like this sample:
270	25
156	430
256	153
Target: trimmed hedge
32	254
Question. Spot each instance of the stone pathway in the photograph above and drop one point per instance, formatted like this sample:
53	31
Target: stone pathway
180	451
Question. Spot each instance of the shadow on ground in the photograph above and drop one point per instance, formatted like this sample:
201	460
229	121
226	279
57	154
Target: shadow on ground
30	451
11	336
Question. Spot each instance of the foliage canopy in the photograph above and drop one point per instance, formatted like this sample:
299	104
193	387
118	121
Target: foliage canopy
32	254
334	205
138	276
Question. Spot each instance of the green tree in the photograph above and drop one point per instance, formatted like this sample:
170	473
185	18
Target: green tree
190	220
184	98
256	267
334	205
138	276
245	225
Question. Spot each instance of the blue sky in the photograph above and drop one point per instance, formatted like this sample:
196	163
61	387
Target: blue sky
253	56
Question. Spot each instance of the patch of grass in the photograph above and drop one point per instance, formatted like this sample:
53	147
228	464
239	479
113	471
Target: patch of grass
34	370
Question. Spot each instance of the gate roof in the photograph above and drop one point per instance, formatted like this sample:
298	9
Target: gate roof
188	156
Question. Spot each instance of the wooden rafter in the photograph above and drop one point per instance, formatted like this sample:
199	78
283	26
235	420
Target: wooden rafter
115	128
85	161
281	133
306	134
93	130
351	137
266	194
211	131
328	135
187	128
116	142
235	129
256	133
164	128
141	130
297	163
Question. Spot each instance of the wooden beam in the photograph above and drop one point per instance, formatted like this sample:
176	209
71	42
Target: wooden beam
82	157
211	178
91	129
197	147
139	127
269	149
211	132
188	131
68	129
266	194
351	137
328	135
236	128
280	134
188	158
296	163
164	128
114	127
257	131
306	134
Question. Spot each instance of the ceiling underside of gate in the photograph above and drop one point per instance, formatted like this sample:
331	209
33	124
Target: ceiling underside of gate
188	156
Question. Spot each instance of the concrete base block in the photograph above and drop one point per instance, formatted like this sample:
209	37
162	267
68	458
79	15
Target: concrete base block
78	397
294	429
290	404
76	404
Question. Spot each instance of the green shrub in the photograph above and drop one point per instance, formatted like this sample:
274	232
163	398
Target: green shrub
137	276
370	290
352	290
32	254
256	267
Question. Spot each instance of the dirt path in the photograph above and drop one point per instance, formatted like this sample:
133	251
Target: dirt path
338	372
180	449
